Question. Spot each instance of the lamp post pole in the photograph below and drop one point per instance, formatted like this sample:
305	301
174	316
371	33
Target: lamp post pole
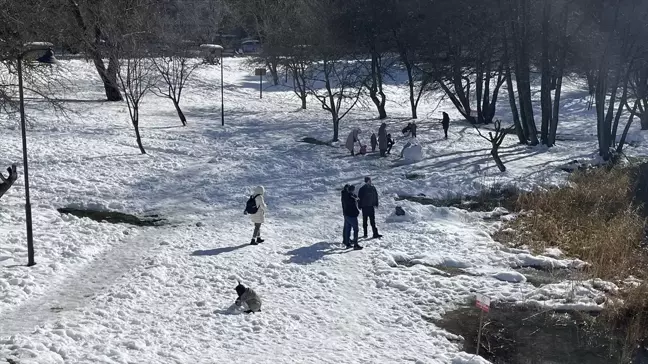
222	93
28	212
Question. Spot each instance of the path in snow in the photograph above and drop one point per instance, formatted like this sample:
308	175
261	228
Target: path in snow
77	290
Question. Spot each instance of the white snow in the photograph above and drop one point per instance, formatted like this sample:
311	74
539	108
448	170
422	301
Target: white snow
512	277
106	293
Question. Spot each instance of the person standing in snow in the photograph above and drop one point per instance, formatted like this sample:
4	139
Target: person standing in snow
382	140
352	139
446	123
390	143
248	299
258	217
345	237
413	129
351	212
374	142
368	197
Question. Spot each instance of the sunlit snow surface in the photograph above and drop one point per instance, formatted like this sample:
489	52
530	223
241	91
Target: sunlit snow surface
104	293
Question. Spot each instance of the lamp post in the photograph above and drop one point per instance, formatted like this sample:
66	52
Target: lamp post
48	58
217	50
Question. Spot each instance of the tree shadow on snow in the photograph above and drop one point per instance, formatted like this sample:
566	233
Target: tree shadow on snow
311	254
217	251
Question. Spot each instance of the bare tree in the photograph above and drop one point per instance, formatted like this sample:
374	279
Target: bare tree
137	76
337	85
496	141
174	70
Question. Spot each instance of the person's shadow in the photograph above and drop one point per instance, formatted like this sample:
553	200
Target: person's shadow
217	251
310	254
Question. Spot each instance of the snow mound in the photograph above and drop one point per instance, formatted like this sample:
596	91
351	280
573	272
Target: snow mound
543	262
512	277
465	358
413	152
569	295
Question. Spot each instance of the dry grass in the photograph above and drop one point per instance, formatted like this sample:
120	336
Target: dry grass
595	219
600	218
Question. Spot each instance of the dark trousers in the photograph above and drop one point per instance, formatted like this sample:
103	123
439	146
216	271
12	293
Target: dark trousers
350	222
445	130
389	147
369	213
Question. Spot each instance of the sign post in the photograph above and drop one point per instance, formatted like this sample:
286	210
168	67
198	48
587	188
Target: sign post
483	303
260	72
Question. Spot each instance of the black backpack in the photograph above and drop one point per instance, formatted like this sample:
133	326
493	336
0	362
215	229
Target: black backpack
251	206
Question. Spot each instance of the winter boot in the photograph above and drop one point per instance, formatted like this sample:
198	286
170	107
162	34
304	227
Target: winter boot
259	240
357	247
254	242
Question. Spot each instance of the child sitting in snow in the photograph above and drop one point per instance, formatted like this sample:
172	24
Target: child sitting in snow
248	299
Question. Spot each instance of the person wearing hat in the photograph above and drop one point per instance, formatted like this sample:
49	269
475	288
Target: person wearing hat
368	198
351	212
248	299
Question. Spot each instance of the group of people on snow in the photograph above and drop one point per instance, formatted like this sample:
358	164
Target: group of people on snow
384	140
365	201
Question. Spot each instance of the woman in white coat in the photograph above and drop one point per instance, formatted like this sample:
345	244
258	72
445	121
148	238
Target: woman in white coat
258	218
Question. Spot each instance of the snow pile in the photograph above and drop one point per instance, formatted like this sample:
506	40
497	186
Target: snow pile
543	262
512	277
413	152
570	295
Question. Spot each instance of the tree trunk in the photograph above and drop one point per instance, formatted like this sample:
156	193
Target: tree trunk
137	131
644	121
272	64
108	77
523	74
375	88
410	77
336	128
545	88
181	115
560	72
303	100
519	129
498	161
627	129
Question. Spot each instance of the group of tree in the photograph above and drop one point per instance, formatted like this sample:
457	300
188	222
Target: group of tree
470	51
476	54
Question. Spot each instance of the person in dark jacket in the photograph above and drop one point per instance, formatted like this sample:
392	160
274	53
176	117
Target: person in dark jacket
351	212
374	142
368	197
413	129
446	123
390	144
382	140
345	236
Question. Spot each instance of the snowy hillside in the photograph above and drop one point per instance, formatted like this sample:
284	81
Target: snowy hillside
112	293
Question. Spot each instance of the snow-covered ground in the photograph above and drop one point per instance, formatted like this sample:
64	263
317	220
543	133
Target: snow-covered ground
105	293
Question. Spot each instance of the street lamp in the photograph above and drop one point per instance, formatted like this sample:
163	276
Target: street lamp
48	58
217	50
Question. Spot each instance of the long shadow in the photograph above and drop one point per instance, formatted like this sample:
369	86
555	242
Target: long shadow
310	254
217	251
